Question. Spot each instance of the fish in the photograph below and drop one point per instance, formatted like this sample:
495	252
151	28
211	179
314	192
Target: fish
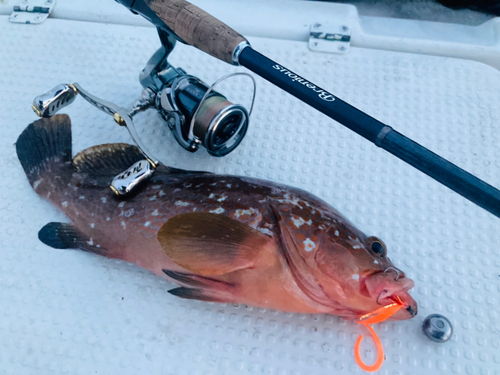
220	238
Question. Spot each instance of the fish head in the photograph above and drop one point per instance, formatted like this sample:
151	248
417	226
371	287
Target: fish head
354	270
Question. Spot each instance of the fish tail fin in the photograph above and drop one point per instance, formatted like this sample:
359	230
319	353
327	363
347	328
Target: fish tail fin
44	142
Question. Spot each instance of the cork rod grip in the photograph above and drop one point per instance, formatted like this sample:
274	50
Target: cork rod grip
198	28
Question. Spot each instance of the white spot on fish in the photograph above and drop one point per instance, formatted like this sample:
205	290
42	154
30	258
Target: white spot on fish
161	193
178	203
211	196
108	219
124	225
188	185
215	183
98	246
82	197
155	213
222	198
355	277
176	190
337	233
375	261
103	199
36	183
265	231
129	213
229	186
64	204
197	186
241	212
92	225
289	199
356	247
156	186
147	224
153	198
309	245
121	204
91	242
217	211
298	221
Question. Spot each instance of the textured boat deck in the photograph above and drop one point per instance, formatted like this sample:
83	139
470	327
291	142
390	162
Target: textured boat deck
71	312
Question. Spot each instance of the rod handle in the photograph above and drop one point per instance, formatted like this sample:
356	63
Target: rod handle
198	28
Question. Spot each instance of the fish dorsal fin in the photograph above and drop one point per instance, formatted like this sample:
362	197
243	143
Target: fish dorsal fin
107	159
211	244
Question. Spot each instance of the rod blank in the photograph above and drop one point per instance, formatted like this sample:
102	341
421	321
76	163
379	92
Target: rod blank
433	165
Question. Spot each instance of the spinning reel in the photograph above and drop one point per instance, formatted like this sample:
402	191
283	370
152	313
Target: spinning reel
195	113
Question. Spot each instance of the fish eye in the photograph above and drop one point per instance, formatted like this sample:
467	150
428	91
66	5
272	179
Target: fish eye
377	246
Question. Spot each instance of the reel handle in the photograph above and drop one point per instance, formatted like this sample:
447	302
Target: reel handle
193	26
48	104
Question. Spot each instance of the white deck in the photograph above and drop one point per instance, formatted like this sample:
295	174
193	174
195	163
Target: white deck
71	312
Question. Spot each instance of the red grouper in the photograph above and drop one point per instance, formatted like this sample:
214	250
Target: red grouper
220	238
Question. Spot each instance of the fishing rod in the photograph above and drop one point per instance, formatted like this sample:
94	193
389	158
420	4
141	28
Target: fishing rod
189	24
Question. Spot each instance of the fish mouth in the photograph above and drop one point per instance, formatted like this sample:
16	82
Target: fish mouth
384	289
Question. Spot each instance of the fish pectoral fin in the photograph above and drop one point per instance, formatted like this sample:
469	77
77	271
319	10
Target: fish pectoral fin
199	294
67	236
106	160
211	244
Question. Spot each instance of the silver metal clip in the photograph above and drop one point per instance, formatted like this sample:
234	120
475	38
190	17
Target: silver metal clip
48	104
32	11
125	182
330	38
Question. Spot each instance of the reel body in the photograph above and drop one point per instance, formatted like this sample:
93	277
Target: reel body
195	113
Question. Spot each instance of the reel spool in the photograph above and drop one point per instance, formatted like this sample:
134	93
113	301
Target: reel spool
199	116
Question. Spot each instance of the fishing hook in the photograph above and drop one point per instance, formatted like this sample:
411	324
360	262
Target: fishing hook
395	270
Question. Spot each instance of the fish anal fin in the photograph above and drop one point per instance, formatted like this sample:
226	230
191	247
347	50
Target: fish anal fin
211	244
67	236
198	294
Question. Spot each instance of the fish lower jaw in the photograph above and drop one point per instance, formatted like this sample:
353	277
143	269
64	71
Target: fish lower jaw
409	310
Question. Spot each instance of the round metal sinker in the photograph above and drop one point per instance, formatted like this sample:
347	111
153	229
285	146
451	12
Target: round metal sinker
437	328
